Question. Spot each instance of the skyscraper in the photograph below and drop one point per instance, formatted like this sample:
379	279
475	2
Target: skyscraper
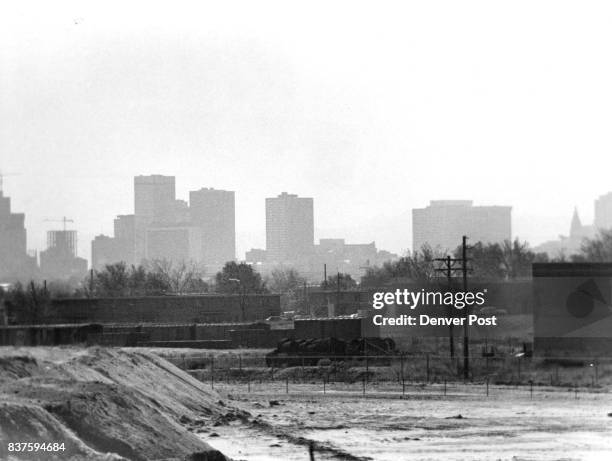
154	203
14	260
120	248
443	223
289	228
214	212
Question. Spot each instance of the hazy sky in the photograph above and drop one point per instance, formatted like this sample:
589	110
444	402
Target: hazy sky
371	108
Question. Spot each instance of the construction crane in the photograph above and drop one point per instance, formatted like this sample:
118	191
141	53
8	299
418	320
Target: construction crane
2	176
63	220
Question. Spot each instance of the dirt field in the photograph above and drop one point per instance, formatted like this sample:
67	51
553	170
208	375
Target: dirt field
112	404
509	424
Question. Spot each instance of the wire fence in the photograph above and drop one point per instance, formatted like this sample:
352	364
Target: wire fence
439	374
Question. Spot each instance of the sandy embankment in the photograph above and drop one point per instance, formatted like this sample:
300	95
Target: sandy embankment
105	404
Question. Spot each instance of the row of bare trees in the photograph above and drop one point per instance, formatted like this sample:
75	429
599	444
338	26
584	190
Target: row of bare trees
155	278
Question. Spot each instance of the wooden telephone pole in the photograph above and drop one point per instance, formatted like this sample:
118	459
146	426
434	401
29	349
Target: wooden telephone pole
450	269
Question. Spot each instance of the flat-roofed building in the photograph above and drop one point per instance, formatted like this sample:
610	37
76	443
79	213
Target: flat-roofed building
442	224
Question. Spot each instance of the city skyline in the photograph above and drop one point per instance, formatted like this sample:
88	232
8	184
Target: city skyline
603	202
370	124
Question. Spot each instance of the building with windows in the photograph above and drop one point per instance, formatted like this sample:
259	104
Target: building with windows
442	224
289	228
214	213
154	202
201	231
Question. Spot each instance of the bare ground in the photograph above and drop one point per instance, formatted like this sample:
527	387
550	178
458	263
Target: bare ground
422	425
104	404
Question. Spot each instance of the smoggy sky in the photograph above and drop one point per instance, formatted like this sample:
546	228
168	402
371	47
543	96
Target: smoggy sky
370	108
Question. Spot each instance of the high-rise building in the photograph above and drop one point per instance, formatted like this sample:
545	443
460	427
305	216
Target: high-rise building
162	227
15	263
125	237
603	212
175	244
289	228
105	251
60	261
154	203
120	248
214	212
443	223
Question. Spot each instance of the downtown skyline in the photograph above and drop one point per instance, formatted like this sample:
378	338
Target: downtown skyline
250	241
402	105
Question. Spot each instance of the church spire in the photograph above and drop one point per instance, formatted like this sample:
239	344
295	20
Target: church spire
576	226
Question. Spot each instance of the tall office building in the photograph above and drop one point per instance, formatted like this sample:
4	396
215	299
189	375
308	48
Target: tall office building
162	227
214	212
289	228
14	261
120	248
443	223
176	244
154	203
603	212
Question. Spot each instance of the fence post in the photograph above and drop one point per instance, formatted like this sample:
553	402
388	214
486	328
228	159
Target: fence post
249	384
402	366
427	364
323	384
531	389
240	362
487	386
364	384
287	385
445	387
212	372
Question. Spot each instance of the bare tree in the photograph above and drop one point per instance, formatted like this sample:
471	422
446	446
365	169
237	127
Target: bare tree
181	277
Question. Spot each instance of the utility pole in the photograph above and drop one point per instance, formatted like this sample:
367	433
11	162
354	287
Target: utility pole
324	276
448	270
337	309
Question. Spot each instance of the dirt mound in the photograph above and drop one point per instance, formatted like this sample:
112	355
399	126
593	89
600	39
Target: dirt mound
104	404
17	367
